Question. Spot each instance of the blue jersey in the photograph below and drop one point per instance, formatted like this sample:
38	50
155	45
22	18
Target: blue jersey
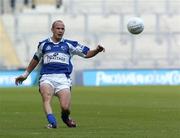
56	57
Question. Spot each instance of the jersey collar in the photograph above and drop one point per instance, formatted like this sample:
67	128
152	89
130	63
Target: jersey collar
50	40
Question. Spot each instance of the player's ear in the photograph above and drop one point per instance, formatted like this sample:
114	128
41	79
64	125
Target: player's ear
51	29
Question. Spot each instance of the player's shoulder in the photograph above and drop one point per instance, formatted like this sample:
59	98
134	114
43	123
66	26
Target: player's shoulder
42	42
72	42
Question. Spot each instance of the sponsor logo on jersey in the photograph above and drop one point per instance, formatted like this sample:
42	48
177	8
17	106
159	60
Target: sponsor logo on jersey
55	57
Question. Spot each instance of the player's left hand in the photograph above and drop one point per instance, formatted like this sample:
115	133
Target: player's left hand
100	48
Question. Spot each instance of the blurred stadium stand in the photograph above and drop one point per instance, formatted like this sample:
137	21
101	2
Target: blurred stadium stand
9	58
98	21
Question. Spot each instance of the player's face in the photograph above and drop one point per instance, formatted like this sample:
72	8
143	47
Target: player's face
58	30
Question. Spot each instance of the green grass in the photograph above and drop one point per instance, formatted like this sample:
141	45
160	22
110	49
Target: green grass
101	112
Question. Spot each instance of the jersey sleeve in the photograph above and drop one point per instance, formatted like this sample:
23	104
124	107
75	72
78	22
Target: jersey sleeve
38	53
76	48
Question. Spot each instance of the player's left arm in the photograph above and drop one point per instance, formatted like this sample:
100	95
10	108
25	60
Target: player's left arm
93	52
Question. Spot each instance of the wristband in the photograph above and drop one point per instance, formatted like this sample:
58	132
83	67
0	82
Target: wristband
25	74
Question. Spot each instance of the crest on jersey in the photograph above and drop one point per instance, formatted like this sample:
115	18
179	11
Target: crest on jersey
48	48
64	48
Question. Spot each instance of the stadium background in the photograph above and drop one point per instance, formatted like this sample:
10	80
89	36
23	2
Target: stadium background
151	58
23	23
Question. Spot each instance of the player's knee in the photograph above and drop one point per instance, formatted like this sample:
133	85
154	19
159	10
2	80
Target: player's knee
65	106
46	98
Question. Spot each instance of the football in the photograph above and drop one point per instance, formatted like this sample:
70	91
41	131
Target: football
135	25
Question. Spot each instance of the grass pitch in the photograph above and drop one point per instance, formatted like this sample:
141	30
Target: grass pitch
100	112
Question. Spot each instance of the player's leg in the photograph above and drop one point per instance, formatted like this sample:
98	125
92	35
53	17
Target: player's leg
47	92
65	102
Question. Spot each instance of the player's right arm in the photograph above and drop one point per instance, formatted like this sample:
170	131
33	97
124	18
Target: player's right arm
28	70
33	63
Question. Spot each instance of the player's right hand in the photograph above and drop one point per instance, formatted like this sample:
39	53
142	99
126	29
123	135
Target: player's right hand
19	80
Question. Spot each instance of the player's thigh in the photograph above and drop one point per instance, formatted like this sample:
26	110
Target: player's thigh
64	96
46	91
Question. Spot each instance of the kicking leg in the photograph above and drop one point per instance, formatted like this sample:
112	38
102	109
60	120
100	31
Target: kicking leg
65	103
